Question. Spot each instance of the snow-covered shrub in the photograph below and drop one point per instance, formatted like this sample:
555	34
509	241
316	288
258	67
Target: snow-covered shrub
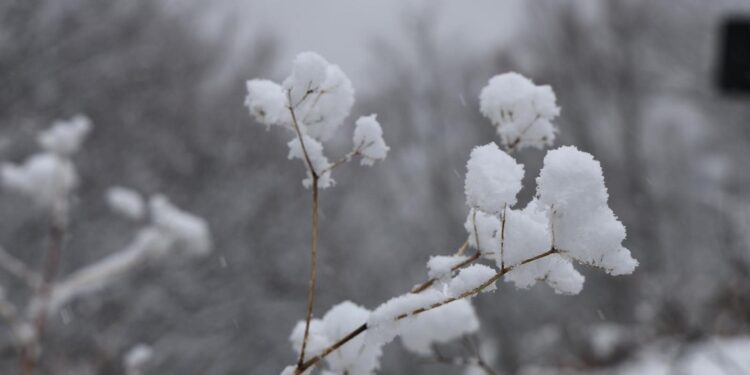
49	178
568	221
312	103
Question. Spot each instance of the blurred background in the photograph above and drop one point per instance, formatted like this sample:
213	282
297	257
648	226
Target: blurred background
642	85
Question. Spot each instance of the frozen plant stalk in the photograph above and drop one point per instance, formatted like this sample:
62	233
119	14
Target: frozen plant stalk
568	221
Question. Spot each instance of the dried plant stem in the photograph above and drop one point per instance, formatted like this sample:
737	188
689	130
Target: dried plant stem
502	237
314	360
313	237
29	351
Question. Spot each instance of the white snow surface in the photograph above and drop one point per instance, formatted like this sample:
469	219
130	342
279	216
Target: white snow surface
126	202
493	179
319	161
585	228
64	138
46	178
190	231
440	325
368	139
521	111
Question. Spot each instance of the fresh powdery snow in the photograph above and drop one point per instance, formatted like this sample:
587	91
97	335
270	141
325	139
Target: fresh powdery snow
65	137
487	227
567	221
312	104
267	102
126	202
368	140
358	356
438	326
189	230
585	228
521	111
440	267
493	178
46	178
320	164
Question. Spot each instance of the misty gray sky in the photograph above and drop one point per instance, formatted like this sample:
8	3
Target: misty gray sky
342	30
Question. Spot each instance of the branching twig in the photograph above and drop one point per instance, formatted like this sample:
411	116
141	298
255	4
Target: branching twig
314	360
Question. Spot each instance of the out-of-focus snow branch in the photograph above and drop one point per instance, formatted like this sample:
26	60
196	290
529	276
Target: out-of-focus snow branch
17	268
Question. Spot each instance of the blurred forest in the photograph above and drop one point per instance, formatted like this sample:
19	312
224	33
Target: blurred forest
636	81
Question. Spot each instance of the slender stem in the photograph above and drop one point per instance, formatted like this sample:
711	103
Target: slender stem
313	270
462	249
28	357
502	238
314	360
314	234
299	136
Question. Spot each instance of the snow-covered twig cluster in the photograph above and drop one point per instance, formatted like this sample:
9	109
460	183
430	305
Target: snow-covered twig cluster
567	221
49	178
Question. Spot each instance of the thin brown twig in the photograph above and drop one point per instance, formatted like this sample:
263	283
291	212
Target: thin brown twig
28	357
502	238
314	234
462	249
314	360
511	147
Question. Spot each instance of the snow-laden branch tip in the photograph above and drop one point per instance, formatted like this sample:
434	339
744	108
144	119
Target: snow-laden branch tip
493	179
312	104
521	111
126	202
64	138
46	178
368	140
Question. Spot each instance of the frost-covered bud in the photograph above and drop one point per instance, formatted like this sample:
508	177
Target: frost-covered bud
368	139
319	162
493	178
190	231
321	95
585	228
487	227
438	326
521	110
126	202
266	101
46	178
65	137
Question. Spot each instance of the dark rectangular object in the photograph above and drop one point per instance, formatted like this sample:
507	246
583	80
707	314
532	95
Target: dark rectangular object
734	59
